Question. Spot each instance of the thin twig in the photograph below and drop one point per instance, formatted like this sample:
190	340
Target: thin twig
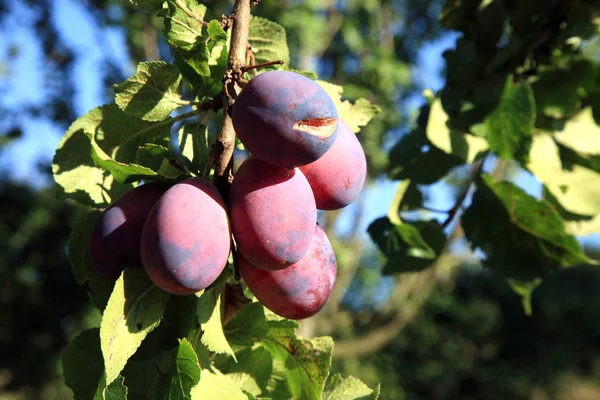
261	65
461	199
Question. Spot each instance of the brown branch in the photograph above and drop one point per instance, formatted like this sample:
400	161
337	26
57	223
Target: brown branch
409	296
225	143
476	168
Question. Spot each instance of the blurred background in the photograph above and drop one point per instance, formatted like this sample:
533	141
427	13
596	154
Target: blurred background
455	332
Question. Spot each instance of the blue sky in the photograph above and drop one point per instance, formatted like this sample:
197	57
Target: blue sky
26	84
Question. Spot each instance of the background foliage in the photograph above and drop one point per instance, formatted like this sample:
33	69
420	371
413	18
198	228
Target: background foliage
520	97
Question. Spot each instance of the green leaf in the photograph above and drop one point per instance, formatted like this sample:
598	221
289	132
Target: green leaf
557	88
510	126
268	41
187	372
134	309
75	165
355	115
414	157
77	247
76	174
214	385
251	372
210	316
147	5
584	227
502	216
407	247
247	327
152	93
193	146
82	364
581	133
462	145
81	265
216	32
304	363
150	377
183	23
350	388
152	155
115	391
122	172
412	199
208	60
576	189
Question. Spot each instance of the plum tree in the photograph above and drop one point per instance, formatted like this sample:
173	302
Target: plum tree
285	119
115	238
187	238
300	290
273	213
338	177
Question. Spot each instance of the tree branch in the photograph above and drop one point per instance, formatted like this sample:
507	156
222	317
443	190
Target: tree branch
412	290
222	150
476	168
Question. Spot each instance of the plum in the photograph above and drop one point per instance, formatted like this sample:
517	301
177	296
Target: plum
300	290
338	177
187	238
114	242
285	119
273	213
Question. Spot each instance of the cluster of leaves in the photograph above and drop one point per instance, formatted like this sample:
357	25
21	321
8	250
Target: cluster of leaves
150	344
521	90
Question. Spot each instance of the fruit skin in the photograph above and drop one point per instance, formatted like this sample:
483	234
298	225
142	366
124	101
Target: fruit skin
114	243
266	113
338	177
300	290
187	238
273	214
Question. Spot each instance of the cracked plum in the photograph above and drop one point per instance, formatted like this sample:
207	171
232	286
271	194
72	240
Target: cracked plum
273	213
186	240
300	290
338	177
285	119
115	239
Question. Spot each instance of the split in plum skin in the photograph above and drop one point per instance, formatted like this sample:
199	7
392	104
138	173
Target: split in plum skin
338	177
300	290
285	119
186	240
114	243
273	213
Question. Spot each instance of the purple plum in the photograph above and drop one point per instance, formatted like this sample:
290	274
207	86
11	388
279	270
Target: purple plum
285	119
186	240
300	290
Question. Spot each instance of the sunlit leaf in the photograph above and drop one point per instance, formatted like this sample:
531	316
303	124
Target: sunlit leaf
134	309
152	93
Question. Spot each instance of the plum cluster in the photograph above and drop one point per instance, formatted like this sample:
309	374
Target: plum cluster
303	158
